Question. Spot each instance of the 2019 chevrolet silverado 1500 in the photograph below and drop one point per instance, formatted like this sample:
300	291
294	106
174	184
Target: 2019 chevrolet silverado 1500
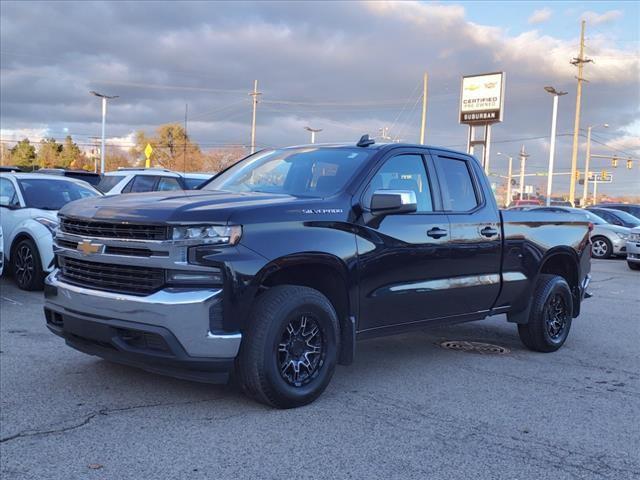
280	263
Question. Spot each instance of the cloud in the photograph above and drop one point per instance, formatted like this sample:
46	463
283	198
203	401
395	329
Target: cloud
540	16
349	68
594	18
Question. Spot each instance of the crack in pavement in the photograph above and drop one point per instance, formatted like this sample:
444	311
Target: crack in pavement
103	411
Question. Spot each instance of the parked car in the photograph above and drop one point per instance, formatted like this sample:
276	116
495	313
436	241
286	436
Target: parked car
10	168
29	204
527	203
522	208
607	240
633	249
616	217
89	177
134	180
193	181
283	261
631	208
1	252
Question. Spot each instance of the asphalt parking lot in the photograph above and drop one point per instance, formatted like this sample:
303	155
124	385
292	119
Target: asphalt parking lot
407	408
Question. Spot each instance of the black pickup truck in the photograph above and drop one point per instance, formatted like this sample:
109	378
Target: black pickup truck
279	264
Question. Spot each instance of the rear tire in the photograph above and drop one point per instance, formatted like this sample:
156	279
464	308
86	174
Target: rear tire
289	349
27	266
601	248
633	265
550	315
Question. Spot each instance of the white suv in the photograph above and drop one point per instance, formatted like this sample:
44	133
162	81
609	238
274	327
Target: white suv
135	180
29	204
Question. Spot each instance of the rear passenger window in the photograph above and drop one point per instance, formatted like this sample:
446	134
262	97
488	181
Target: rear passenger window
404	172
143	183
458	191
168	183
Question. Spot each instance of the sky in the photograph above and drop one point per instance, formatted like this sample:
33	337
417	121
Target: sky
347	67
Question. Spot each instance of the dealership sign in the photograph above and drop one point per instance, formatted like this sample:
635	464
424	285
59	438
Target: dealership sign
482	98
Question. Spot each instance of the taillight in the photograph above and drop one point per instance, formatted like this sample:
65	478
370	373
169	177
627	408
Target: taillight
590	227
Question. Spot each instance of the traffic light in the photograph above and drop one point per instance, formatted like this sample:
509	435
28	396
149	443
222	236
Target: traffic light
603	174
629	164
577	174
614	162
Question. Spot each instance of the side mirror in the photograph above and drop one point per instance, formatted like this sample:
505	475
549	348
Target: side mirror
387	202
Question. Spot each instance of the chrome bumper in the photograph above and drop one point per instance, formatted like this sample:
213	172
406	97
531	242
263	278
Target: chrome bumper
185	313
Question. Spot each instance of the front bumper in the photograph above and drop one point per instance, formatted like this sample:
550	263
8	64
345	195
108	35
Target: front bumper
619	246
633	252
166	332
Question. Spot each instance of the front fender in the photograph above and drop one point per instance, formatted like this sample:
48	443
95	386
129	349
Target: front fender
40	235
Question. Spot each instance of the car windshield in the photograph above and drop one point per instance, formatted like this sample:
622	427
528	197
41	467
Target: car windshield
108	182
48	194
303	172
627	218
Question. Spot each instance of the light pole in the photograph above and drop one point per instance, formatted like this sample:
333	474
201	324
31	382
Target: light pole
313	133
585	188
509	176
104	123
523	157
552	146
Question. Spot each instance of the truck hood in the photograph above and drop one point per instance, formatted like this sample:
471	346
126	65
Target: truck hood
175	206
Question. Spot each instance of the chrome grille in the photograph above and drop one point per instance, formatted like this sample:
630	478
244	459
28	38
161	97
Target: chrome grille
112	278
90	228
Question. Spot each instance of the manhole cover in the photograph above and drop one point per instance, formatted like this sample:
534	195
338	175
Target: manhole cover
475	347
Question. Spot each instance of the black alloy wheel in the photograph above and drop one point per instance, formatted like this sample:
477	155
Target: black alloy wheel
301	350
556	316
27	269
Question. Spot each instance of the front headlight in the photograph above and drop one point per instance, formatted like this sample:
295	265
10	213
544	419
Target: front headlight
623	236
51	225
634	237
208	234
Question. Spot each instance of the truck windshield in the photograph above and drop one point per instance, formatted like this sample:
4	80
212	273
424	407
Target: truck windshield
304	172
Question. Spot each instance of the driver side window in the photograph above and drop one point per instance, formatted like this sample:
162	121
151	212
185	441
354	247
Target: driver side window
403	172
8	194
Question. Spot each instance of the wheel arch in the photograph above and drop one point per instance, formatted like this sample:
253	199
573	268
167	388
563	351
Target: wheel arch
564	262
323	272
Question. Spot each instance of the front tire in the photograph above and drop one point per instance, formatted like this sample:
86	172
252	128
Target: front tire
601	248
290	347
27	266
550	316
633	265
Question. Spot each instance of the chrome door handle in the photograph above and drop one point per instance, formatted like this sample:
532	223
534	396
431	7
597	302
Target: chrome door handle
436	232
489	232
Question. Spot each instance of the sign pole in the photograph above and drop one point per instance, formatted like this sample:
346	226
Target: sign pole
487	147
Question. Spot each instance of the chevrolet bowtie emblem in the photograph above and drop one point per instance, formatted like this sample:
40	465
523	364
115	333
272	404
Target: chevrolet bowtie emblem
87	248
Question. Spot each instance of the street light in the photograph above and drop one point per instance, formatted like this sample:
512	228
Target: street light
508	202
104	123
585	188
552	146
313	133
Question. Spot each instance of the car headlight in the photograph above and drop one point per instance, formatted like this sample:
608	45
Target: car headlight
634	237
209	234
623	236
51	225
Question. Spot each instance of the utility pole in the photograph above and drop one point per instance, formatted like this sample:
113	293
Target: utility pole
579	62
523	157
255	95
104	124
424	107
552	146
313	133
585	188
184	146
509	176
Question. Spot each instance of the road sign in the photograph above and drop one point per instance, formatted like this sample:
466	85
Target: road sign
148	150
608	178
